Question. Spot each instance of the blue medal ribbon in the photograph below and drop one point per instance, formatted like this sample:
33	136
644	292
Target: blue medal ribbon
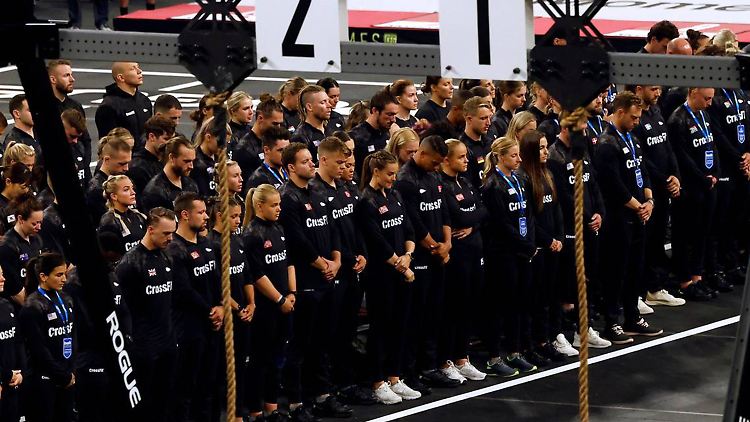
740	125
270	170
628	140
62	312
593	129
708	159
522	227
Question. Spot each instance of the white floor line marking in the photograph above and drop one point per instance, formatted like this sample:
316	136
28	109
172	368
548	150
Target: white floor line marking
637	409
181	86
554	371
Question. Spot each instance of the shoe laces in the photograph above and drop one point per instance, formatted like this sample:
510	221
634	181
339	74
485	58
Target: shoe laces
618	330
642	322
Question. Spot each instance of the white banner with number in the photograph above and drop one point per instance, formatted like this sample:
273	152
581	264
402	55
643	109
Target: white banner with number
298	35
483	39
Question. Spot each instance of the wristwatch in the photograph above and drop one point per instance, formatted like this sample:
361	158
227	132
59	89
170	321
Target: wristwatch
409	253
281	301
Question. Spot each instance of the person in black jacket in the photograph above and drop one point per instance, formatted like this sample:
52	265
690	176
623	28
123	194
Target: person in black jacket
289	100
147	161
271	171
122	218
19	245
315	252
242	291
240	108
513	97
626	188
47	324
198	315
389	236
372	134
422	192
333	90
16	180
114	154
347	296
74	125
266	249
206	145
690	131
248	151
478	115
123	105
509	250
23	125
62	81
173	180
406	94
465	271
316	110
546	312
147	278
437	107
661	163
12	359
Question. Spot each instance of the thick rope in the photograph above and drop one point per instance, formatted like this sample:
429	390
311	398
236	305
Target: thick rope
583	307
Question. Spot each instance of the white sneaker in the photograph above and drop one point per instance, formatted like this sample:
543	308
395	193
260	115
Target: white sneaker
644	309
595	341
470	372
662	297
452	372
562	345
385	395
404	391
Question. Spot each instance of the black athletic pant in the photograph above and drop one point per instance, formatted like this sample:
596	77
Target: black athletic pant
347	301
657	264
546	311
507	303
425	319
567	266
198	364
271	331
308	368
729	221
389	298
156	376
623	239
46	402
93	394
463	282
242	335
692	216
10	407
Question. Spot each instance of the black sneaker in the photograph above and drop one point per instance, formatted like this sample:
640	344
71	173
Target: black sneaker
418	385
436	378
549	351
302	414
516	360
718	281
712	293
641	328
616	335
332	408
500	369
275	416
693	293
356	395
537	359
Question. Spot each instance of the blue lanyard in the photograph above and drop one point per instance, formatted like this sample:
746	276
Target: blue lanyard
704	129
517	189
283	173
62	313
629	143
736	102
600	126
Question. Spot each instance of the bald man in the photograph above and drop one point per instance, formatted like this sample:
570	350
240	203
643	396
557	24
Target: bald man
123	105
679	46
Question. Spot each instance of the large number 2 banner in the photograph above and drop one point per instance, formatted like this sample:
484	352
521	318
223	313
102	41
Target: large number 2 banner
299	35
483	39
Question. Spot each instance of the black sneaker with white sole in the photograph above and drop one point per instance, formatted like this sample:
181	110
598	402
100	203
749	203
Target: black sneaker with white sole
516	360
436	378
641	328
616	335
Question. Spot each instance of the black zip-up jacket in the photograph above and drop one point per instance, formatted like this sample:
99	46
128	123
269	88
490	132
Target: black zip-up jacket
197	285
130	226
12	353
120	109
500	122
142	169
239	268
538	114
291	118
15	253
367	140
465	207
671	100
476	152
95	201
410	122
723	112
335	122
342	202
203	174
248	152
17	135
594	128
85	139
551	128
83	171
422	194
560	163
549	221
263	175
160	192
147	281
265	246
310	136
502	232
617	172
659	157
693	149
431	111
45	332
385	225
239	130
7	216
53	233
308	223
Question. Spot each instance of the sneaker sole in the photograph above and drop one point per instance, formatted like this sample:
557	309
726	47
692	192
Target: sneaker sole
491	374
390	402
404	397
630	340
663	303
633	333
476	378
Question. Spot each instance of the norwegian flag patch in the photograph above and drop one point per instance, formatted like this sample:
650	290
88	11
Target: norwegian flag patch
267	244
383	209
308	207
195	254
